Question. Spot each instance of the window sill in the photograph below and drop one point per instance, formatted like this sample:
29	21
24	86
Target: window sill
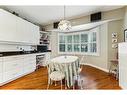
79	53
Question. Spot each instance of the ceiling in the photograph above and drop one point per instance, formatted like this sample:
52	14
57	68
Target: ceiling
45	15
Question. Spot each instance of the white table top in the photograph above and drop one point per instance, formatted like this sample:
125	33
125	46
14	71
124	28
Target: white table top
64	59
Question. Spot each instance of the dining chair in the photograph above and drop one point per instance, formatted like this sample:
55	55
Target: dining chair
55	74
114	67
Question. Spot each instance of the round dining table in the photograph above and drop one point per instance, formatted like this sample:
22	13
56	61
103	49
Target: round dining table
70	67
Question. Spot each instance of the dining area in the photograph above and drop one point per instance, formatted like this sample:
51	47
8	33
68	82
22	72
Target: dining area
65	71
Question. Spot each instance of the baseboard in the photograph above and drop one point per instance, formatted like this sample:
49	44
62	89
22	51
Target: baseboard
105	70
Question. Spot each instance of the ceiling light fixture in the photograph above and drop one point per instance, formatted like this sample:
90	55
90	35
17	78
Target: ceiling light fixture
64	24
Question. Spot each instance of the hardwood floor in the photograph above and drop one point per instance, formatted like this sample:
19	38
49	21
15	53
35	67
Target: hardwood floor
93	79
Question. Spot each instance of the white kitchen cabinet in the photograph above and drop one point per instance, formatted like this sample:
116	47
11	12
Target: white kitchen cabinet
16	66
16	29
123	65
1	65
1	70
29	33
7	66
22	30
34	34
7	26
12	67
10	75
29	63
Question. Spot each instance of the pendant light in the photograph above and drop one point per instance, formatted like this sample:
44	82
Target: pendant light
64	24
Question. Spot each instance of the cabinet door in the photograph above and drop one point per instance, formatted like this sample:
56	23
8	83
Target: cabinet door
27	32
12	62
12	67
22	30
29	63
34	34
15	29
1	70
7	26
31	33
29	66
7	76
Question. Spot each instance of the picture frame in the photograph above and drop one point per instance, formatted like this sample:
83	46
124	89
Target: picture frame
125	35
114	46
114	40
114	35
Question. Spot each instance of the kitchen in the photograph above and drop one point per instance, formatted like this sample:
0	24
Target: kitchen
18	52
30	51
63	47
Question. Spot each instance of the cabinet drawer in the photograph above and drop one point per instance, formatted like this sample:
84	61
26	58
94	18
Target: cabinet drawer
30	63
7	66
12	74
12	58
28	69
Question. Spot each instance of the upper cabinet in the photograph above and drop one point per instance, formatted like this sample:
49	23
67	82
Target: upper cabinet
34	34
16	29
7	26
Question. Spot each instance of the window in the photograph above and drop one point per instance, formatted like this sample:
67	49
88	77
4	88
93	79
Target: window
84	42
62	43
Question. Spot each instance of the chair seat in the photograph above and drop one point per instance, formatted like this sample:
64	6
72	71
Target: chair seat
57	75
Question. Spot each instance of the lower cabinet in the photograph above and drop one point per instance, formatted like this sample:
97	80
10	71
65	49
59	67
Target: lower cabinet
16	66
29	64
12	74
1	70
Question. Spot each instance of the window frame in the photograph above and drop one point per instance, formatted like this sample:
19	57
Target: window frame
80	43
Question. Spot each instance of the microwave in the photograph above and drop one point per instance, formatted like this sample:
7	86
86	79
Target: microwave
42	48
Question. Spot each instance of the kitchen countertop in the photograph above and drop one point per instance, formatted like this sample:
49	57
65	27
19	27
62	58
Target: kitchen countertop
4	54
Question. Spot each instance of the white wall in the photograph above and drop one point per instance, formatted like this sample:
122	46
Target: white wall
106	51
100	61
113	14
117	27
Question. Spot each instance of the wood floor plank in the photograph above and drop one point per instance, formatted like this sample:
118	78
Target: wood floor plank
93	79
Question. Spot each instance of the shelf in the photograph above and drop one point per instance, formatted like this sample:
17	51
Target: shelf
43	44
